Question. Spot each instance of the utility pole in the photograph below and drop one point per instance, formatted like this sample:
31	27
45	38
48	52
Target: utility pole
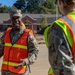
56	11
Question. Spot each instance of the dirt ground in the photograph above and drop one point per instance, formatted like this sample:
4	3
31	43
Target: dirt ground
41	65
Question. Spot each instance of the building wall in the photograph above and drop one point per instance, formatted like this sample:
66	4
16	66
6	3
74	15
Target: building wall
30	22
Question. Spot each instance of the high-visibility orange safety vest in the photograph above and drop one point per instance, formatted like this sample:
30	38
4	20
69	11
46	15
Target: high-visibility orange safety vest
14	52
23	25
67	24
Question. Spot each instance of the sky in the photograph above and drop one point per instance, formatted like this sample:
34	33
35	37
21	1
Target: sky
7	2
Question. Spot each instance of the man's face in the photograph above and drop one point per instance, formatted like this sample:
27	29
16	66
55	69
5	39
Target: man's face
16	22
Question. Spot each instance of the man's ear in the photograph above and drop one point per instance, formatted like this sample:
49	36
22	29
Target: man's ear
59	1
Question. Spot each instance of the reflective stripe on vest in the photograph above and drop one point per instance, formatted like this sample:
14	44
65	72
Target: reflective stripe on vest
16	45
50	72
46	35
72	16
11	64
66	30
68	26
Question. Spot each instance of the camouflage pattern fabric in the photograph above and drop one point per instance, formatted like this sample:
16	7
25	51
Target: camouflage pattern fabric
32	45
60	55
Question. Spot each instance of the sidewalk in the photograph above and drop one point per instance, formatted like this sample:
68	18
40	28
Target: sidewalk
41	65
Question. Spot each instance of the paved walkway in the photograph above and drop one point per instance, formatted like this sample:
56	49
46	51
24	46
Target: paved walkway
41	66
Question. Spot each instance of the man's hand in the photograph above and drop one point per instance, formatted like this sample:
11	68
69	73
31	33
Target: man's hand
23	62
19	65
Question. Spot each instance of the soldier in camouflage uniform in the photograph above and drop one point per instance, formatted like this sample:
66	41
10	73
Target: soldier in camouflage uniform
60	40
16	32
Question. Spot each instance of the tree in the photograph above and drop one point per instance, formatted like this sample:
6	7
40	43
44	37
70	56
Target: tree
32	5
0	5
3	9
20	4
44	10
44	22
46	7
50	5
42	2
11	8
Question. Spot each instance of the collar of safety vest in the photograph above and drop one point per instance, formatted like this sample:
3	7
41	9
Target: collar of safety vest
73	13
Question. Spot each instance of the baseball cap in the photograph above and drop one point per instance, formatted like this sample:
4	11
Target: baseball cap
15	12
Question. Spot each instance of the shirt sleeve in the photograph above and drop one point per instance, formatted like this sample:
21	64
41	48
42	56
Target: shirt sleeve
33	48
2	44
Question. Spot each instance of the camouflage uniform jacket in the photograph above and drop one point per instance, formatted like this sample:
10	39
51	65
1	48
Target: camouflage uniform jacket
60	55
32	46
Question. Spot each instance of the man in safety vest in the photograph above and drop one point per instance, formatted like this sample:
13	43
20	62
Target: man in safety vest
60	40
18	47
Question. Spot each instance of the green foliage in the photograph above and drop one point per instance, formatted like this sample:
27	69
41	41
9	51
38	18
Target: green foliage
4	9
44	10
11	8
44	22
47	7
20	4
32	6
49	4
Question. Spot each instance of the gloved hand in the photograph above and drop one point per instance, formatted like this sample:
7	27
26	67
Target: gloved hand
23	62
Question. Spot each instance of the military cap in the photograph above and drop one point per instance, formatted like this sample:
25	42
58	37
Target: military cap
15	12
